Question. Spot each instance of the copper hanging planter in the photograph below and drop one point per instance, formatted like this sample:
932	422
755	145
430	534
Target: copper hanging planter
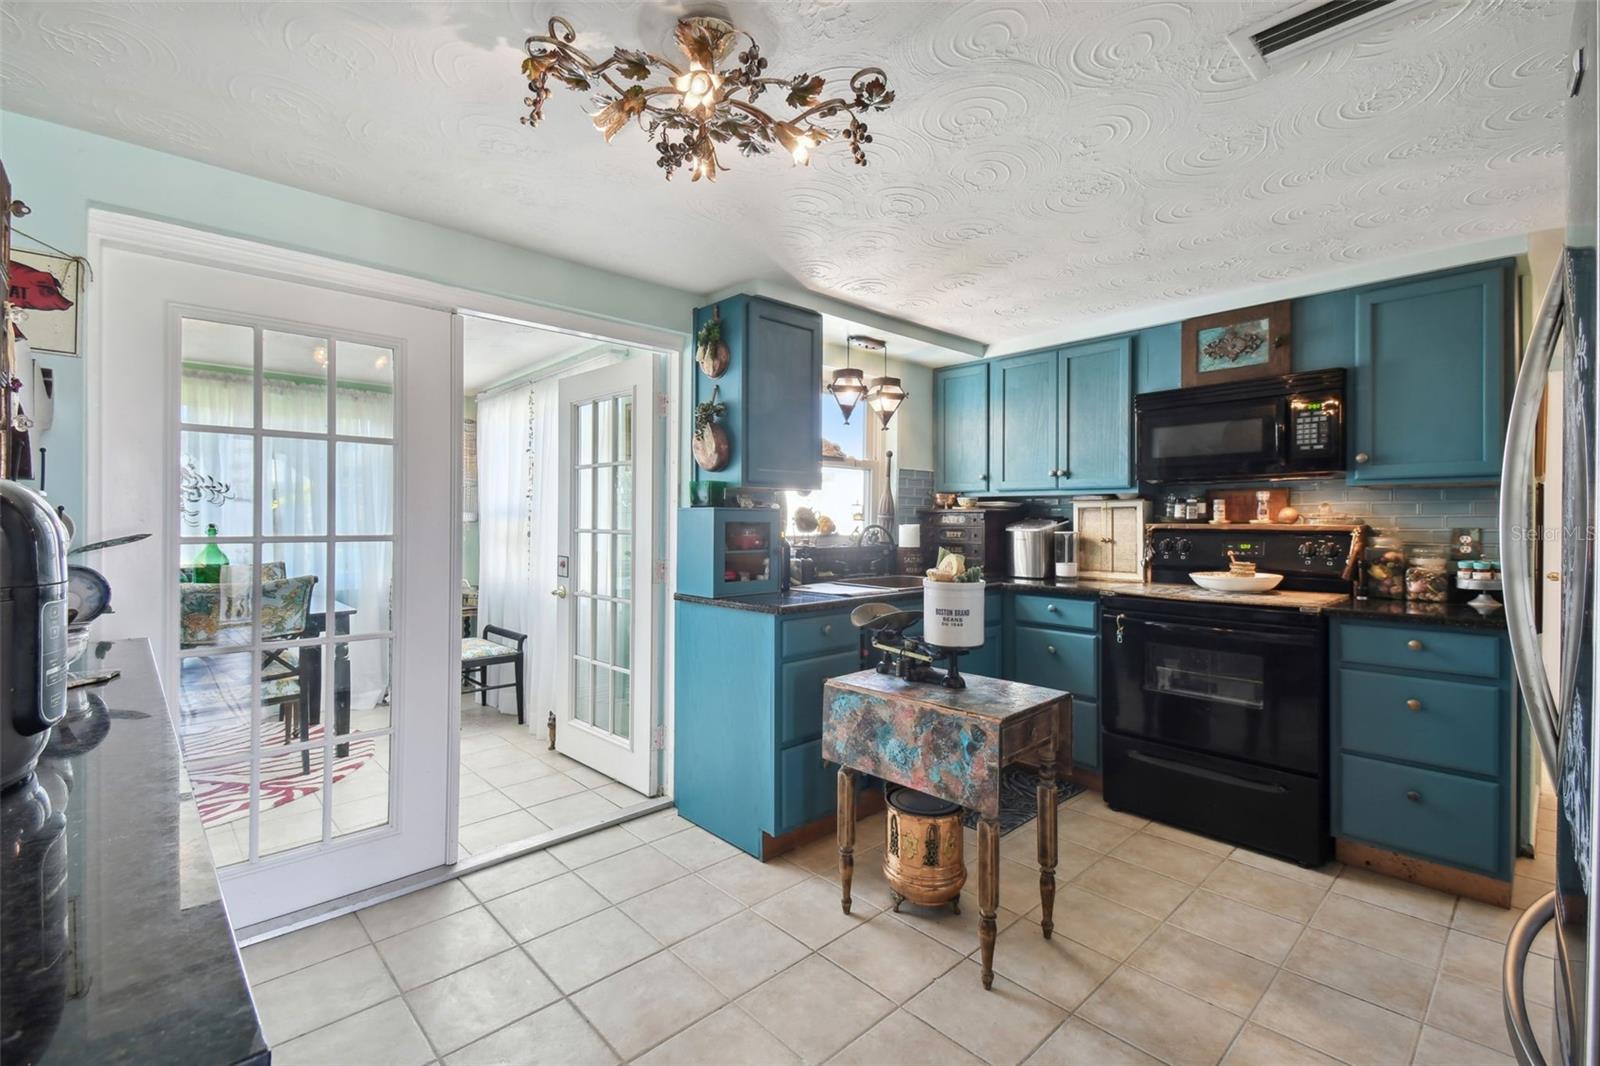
711	350
710	444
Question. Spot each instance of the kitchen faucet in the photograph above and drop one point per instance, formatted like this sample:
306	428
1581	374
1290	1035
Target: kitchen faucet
861	536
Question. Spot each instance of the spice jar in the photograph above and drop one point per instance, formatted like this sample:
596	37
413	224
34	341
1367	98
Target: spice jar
1427	573
1383	566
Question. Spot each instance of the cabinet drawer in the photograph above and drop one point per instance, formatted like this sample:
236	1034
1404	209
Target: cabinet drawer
1453	724
1056	659
1086	734
1427	813
1056	611
800	693
1432	648
818	634
807	787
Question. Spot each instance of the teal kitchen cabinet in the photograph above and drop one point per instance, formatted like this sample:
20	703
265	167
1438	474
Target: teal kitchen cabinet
961	428
1094	429
1432	368
1054	641
771	388
1423	738
1024	391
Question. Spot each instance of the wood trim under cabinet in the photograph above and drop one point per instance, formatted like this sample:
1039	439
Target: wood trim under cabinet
868	802
1425	873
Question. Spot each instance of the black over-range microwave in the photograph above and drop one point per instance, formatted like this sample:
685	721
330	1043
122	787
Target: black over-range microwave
1289	426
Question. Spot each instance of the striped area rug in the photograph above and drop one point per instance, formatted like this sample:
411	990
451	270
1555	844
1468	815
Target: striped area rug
223	793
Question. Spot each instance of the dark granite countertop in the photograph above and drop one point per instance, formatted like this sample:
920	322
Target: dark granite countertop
114	943
799	601
1437	614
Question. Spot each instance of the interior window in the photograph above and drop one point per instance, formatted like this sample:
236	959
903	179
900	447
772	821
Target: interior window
845	498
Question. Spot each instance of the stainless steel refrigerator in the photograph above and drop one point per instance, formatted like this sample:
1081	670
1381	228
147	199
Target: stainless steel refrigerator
1562	715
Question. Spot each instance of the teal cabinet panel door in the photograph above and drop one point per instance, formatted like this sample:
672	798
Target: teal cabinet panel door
1440	816
1094	447
1086	734
961	428
807	786
1432	361
782	416
1023	398
800	693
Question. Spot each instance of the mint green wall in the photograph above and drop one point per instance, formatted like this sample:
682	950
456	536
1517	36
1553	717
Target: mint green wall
62	172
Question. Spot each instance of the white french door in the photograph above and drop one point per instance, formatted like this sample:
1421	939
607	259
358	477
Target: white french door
290	446
605	537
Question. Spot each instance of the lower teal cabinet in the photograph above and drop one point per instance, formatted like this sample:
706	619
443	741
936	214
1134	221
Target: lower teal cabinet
807	787
988	660
1057	659
1424	738
800	693
1086	734
1054	641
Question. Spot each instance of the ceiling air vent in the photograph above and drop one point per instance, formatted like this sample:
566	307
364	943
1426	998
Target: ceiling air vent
1307	26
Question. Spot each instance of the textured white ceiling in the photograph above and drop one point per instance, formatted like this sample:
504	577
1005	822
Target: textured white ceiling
493	350
1045	163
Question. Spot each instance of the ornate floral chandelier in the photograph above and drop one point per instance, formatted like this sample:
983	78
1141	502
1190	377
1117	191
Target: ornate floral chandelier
700	107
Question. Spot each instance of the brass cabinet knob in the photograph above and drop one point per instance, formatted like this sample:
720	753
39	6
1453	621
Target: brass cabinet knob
1414	705
1554	575
1362	457
1414	796
1414	645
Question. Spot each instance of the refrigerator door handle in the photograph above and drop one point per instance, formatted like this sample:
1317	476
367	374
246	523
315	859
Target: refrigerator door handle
1517	519
1523	1042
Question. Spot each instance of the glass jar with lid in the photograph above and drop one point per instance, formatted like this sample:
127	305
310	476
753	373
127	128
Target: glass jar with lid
1427	573
1383	568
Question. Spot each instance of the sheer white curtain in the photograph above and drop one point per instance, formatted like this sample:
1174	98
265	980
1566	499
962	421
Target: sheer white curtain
507	488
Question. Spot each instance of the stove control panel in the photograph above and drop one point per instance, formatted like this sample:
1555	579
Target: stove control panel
1319	554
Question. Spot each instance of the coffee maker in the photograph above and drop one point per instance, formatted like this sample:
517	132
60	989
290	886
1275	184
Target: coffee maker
33	629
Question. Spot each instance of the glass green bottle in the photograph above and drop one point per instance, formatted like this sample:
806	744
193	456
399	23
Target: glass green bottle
209	563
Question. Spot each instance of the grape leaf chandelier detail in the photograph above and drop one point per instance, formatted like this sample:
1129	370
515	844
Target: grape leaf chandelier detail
699	106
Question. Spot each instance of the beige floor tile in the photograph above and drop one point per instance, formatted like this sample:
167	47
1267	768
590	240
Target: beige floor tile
592	847
749	880
297	950
1474	958
1282	896
815	1008
891	958
1159	1019
1484	919
1477	1014
1000	1026
1257	1046
695	848
680	908
728	1035
810	912
956	931
1091	802
1363	972
499	831
1059	969
474	1002
324	992
494	881
1165	857
903	1038
1076	826
497	753
586	777
821	856
471	785
574	810
1188	839
1134	886
579	954
1438	1048
1077	1043
1526	891
1397	895
739	953
525	768
1335	1023
625	875
868	885
1219	975
1021	846
1378	927
1322	876
657	825
384	920
1541	867
531	793
554	1036
1237	925
536	910
621	794
451	943
649	1001
1099	923
383	1034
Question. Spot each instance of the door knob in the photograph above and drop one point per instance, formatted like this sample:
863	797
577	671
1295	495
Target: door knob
1362	457
1414	645
1554	575
559	592
1414	705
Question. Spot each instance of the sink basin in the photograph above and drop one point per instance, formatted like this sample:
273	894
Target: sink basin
886	581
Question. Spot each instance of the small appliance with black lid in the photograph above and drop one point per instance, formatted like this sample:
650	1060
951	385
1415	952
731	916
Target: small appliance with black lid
33	628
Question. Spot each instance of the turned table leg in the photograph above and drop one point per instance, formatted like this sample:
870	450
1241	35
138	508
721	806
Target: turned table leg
847	833
1047	841
988	891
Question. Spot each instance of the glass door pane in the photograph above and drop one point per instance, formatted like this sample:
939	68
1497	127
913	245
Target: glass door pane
602	585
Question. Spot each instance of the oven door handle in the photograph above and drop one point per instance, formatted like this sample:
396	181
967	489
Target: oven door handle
1253	636
1208	775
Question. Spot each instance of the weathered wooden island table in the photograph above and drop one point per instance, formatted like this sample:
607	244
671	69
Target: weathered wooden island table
949	743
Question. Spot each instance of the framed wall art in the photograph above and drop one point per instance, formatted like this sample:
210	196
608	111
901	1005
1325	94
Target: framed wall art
46	288
1250	342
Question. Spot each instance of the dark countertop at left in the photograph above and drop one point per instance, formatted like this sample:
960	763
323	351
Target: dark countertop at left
114	943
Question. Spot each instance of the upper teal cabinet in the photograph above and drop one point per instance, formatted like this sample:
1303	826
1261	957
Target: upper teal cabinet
1095	430
771	387
1432	358
1024	391
961	428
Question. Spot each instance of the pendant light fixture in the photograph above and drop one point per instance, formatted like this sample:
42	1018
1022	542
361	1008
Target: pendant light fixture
849	386
885	394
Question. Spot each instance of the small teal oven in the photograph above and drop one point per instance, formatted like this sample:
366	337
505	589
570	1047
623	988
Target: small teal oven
727	551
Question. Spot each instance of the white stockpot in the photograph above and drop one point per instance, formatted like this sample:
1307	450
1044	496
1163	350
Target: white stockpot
952	613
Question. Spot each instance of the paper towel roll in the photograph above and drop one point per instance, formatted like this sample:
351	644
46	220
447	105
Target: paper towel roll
910	535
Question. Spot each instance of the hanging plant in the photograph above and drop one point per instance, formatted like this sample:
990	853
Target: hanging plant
710	444
711	351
